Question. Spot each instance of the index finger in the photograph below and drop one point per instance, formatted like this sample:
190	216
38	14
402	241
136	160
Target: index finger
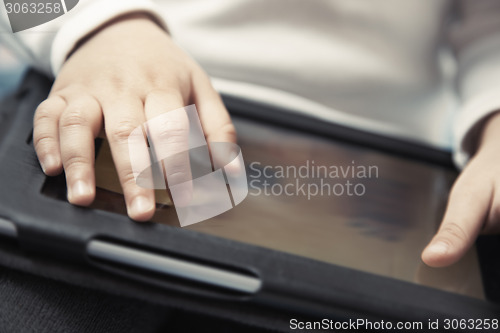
121	120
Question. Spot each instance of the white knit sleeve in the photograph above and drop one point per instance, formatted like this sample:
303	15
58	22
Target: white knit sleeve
48	45
477	41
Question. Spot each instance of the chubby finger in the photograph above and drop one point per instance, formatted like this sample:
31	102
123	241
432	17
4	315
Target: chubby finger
121	120
79	125
466	212
46	134
217	123
214	117
168	132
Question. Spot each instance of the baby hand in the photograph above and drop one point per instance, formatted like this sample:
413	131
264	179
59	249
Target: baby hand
124	74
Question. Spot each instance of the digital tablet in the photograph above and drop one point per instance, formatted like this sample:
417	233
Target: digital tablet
328	201
331	227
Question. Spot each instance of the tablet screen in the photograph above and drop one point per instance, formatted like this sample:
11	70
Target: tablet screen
329	201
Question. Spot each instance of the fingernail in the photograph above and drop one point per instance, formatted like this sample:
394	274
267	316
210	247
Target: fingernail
48	162
79	189
439	248
140	205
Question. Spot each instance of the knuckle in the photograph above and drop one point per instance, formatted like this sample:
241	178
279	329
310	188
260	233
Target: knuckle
121	131
44	112
76	162
177	177
454	233
118	81
179	173
172	133
169	128
73	117
43	142
127	179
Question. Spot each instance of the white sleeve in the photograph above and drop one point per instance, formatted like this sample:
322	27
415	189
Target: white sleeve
49	44
477	42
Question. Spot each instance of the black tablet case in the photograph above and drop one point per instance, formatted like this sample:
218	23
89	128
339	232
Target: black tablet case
52	236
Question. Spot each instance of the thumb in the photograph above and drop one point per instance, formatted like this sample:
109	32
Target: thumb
467	209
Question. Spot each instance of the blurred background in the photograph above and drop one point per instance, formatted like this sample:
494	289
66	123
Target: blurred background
11	70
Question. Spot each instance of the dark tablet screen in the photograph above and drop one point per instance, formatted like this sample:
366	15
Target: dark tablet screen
329	201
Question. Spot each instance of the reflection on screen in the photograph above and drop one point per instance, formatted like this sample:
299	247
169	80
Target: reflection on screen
328	201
